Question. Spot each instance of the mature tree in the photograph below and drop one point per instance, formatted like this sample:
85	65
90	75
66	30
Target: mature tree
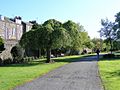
29	42
117	26
116	45
29	39
107	31
85	40
99	43
51	36
73	30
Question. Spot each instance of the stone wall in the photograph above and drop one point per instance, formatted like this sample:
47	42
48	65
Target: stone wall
9	44
6	56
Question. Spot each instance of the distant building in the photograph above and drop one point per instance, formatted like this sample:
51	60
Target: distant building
11	30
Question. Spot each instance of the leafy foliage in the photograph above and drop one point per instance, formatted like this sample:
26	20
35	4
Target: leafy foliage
108	31
73	31
117	25
35	24
1	44
29	39
17	53
50	35
85	40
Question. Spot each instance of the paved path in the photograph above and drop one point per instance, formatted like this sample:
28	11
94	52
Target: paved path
81	75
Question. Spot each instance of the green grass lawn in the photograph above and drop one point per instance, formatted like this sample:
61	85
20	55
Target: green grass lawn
110	74
17	74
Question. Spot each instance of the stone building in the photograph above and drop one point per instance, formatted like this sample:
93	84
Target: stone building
11	30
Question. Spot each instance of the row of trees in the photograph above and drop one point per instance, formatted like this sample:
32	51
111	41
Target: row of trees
53	34
68	36
111	32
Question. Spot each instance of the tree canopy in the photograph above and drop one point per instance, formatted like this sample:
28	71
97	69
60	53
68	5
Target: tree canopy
29	39
117	25
50	35
108	31
73	30
53	34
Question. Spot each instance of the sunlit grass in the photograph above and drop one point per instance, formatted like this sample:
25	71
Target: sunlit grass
110	73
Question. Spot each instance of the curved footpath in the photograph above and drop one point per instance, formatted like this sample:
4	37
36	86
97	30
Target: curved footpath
82	75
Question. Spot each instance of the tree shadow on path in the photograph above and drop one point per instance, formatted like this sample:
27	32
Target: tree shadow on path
78	59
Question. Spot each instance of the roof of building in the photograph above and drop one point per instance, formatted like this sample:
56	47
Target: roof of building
12	20
28	23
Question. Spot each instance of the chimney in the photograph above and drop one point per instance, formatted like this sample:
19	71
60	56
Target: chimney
1	17
18	19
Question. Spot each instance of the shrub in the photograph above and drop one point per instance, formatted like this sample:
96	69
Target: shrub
7	61
17	54
108	56
5	57
74	52
1	45
0	61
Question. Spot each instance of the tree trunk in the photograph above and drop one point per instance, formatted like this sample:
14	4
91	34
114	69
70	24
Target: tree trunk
39	53
49	56
111	45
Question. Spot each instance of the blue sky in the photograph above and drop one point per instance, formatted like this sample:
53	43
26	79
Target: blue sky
86	12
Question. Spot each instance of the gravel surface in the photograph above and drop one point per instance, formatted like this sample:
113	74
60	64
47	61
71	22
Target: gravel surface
81	75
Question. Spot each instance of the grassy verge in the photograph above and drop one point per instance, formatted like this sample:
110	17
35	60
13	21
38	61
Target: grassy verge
17	74
110	74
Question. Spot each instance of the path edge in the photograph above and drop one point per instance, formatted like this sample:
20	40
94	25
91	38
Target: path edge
102	83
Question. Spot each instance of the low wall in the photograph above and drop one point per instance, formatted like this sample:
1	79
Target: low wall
6	55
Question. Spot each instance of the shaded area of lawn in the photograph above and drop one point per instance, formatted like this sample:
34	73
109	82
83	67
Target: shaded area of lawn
67	59
29	64
17	74
110	59
110	73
